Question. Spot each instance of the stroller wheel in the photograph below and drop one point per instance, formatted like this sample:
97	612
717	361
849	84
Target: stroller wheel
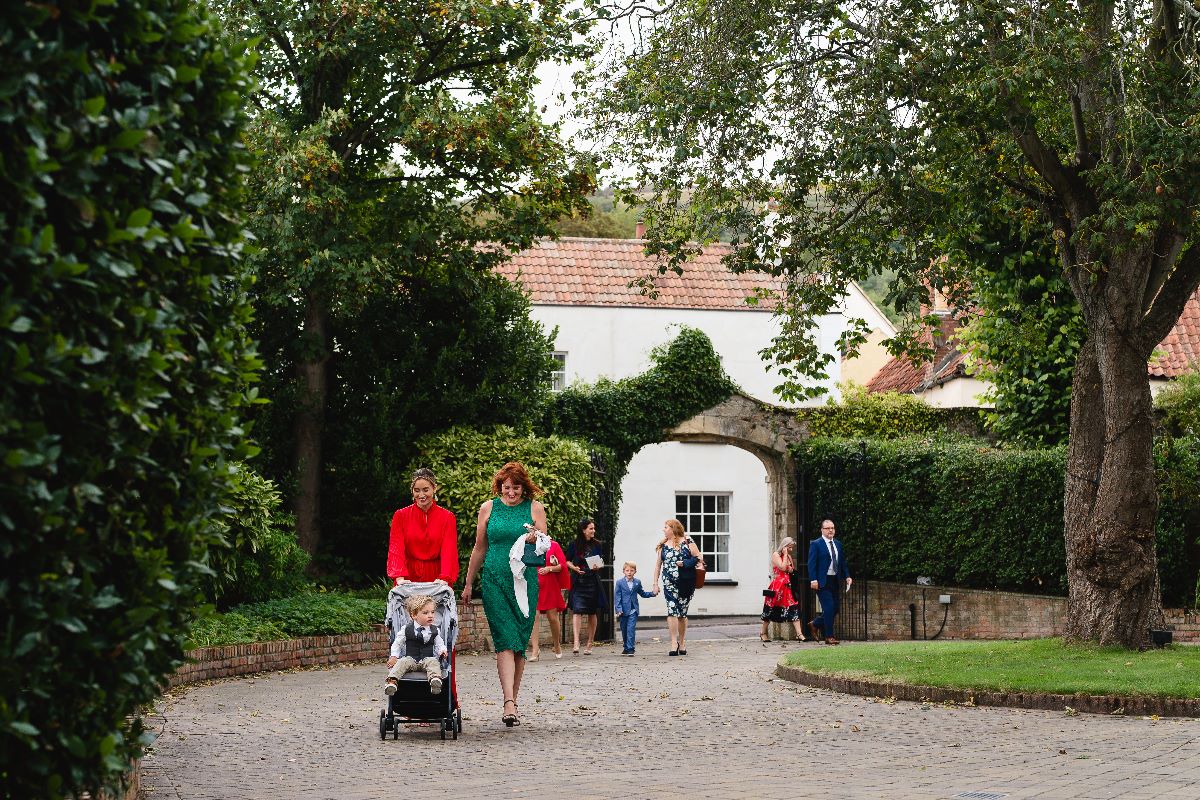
383	725
453	728
444	726
458	721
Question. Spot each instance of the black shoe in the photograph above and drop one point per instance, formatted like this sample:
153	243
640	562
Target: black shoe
673	653
683	652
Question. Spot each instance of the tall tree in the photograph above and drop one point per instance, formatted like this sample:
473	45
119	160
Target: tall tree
889	132
395	139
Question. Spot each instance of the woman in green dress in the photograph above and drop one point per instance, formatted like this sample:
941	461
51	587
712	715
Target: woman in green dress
502	521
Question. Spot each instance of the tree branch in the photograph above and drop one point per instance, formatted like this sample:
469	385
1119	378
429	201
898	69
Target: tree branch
281	41
465	66
1171	299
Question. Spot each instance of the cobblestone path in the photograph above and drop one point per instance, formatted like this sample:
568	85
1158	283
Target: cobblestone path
713	724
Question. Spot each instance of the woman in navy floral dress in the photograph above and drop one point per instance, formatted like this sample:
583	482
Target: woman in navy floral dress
677	557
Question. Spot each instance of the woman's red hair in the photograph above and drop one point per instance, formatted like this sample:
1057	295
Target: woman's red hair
515	471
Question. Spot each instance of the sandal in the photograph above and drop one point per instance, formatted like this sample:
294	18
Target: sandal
762	637
533	658
510	719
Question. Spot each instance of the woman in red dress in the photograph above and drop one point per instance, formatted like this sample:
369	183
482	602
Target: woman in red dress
553	580
424	539
779	605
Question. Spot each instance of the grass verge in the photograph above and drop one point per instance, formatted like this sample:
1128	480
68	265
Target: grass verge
1039	665
316	614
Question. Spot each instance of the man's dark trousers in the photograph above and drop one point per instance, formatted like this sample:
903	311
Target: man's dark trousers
831	602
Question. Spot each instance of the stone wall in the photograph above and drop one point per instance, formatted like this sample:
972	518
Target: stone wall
1185	624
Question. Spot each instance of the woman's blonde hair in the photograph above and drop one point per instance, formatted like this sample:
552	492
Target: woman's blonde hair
676	528
785	544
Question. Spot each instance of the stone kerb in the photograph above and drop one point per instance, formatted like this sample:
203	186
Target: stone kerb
1133	705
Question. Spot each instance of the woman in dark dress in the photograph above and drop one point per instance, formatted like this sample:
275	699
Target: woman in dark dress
586	594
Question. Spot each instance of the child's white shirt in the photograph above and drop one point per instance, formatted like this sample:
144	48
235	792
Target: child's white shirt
439	646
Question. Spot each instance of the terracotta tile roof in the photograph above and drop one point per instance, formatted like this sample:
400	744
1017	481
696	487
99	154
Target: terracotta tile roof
1180	355
1181	348
597	272
899	374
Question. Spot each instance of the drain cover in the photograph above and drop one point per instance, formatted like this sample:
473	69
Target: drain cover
980	795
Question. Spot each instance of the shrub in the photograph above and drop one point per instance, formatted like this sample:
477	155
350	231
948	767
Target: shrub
125	364
312	614
971	515
264	560
1180	404
465	461
884	415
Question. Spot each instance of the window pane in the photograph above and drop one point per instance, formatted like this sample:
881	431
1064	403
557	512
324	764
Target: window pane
710	523
723	504
694	523
710	502
680	503
682	520
721	563
722	523
695	503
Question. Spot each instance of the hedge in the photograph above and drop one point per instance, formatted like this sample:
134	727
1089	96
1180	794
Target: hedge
125	364
970	515
465	461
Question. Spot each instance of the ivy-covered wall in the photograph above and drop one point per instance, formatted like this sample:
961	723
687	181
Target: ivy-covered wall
970	515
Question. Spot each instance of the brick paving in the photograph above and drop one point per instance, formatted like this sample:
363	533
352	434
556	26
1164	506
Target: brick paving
716	723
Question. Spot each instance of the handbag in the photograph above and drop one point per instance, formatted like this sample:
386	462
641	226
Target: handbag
700	570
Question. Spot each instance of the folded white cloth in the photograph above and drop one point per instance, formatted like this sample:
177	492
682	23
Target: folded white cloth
520	587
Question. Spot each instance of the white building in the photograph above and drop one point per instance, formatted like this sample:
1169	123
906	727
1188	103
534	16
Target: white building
607	329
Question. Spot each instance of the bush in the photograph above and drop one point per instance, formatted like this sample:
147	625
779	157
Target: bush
1179	403
125	364
465	461
264	560
970	515
312	614
884	415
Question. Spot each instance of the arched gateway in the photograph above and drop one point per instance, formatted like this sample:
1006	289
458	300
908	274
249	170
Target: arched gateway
764	430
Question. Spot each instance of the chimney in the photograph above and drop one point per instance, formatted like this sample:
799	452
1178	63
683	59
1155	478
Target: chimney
640	232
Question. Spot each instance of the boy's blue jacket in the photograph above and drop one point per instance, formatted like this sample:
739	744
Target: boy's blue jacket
626	599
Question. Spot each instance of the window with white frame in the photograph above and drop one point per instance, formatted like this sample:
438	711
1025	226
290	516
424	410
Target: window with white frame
558	376
705	517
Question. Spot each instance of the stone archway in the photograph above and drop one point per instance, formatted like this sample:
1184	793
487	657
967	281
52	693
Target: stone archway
764	430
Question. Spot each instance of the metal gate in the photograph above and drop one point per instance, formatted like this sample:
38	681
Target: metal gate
853	531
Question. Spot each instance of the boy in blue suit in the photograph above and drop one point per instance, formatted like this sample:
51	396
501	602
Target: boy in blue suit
628	589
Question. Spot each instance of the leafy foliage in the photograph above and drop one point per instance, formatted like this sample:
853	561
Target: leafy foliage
685	377
605	219
1027	339
263	560
969	515
311	614
445	350
1179	403
465	461
125	363
400	148
882	415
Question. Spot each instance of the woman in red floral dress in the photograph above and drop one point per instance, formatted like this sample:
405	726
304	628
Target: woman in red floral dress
424	539
779	605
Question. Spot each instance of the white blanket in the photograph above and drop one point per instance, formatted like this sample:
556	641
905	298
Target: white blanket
520	587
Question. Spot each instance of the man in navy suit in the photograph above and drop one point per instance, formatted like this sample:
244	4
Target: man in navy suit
826	566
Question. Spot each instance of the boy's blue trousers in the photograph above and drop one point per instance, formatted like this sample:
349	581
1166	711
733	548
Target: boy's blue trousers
629	630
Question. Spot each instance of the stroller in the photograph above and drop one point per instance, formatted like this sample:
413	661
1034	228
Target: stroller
413	701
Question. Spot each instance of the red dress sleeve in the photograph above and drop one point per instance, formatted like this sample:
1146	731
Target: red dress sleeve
396	568
449	562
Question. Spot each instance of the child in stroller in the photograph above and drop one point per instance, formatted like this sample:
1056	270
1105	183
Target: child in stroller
422	644
413	699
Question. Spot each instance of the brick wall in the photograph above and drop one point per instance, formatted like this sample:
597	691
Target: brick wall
1185	624
980	614
244	659
972	614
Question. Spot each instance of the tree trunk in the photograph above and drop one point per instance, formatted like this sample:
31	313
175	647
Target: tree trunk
311	369
1111	500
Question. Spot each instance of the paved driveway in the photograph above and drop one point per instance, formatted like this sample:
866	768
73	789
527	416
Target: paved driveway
712	724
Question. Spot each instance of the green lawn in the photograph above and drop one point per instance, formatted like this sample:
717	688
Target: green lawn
1041	665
